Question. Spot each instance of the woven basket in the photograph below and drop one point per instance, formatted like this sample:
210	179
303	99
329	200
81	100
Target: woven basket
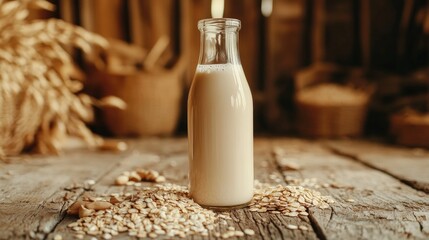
331	119
409	132
153	101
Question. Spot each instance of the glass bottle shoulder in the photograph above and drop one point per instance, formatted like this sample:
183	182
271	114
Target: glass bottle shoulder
223	84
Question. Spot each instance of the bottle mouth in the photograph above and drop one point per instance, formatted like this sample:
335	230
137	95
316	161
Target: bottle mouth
219	24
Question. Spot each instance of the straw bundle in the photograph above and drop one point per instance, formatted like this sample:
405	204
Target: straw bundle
40	103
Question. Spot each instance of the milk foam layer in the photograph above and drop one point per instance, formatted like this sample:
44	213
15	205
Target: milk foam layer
220	131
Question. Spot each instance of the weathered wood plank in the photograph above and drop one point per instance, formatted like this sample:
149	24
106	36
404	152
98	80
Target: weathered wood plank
167	156
411	166
31	197
273	226
106	186
32	189
369	204
173	164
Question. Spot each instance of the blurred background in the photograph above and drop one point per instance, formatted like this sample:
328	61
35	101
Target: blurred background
325	68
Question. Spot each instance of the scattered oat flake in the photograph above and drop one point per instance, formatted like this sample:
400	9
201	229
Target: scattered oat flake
421	194
303	228
58	237
249	232
90	182
292	227
131	178
121	180
79	236
287	200
107	236
350	200
150	211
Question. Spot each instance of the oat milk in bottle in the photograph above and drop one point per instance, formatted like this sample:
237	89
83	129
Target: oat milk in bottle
220	120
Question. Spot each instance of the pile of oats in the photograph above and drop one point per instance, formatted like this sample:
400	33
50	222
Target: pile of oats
150	212
287	200
137	176
167	210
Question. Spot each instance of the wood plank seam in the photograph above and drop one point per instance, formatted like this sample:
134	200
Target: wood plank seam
84	190
388	214
316	227
413	184
313	222
62	216
369	202
422	220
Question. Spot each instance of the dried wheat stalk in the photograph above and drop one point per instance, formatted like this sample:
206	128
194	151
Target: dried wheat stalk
40	103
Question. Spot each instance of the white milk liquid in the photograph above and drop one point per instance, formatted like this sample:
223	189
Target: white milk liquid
220	132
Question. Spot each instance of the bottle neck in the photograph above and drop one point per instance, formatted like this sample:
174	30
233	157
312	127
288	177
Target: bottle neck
219	47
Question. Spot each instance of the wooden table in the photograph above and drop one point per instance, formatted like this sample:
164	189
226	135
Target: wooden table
381	191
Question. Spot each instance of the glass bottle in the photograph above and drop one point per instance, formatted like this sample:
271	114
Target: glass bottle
220	120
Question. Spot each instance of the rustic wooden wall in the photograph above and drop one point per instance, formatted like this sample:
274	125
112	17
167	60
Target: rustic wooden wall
390	37
285	53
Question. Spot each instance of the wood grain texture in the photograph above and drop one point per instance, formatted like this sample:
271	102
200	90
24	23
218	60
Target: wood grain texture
135	21
369	204
105	185
32	191
170	158
409	165
285	50
273	226
109	18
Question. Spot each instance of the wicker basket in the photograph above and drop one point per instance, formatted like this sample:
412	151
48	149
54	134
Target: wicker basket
410	129
153	101
316	119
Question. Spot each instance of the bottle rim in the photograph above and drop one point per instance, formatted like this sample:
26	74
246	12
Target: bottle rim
219	23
